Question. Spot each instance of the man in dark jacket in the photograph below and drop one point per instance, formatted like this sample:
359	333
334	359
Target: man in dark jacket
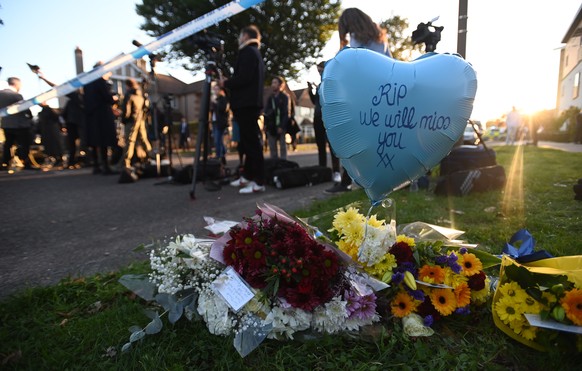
16	127
134	120
246	101
277	118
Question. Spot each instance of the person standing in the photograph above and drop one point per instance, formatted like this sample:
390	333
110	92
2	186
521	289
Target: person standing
51	134
101	131
184	134
134	120
220	116
277	119
578	129
512	123
246	102
319	129
363	33
74	116
16	127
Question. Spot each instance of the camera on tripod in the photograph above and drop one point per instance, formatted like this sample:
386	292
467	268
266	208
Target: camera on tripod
212	45
428	34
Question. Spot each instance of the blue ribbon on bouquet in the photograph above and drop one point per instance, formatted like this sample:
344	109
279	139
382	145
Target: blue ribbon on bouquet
525	252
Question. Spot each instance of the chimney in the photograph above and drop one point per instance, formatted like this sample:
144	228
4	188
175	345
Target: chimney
79	60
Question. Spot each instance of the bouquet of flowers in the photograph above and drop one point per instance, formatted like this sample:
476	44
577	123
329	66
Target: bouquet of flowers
428	279
265	278
540	303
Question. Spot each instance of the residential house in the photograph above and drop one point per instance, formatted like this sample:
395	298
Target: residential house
571	67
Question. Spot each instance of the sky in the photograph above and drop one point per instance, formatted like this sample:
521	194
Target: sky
512	44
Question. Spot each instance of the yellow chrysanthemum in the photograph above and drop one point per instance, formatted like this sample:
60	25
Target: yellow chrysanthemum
353	233
550	298
431	274
452	279
517	325
402	305
528	332
471	264
374	222
386	264
514	291
530	305
480	297
402	238
443	300
344	218
463	295
507	310
572	303
349	248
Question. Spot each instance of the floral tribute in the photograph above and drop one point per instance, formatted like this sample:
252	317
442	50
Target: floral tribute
296	283
427	278
541	307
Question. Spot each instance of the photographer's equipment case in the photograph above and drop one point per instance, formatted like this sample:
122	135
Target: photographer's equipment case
301	176
467	157
461	183
274	164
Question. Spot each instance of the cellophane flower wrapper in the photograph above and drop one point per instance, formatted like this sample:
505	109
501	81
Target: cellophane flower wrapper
547	291
431	273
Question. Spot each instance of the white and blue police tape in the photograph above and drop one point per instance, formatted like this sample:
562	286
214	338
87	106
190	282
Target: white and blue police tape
177	34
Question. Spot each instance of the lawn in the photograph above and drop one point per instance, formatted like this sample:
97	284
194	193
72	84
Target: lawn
82	323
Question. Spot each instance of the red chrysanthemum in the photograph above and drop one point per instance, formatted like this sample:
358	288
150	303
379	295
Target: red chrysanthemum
402	252
477	281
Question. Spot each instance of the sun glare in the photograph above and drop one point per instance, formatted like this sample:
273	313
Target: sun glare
513	197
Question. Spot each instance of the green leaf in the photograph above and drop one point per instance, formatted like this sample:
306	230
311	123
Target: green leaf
134	328
126	347
154	326
175	312
140	285
138	335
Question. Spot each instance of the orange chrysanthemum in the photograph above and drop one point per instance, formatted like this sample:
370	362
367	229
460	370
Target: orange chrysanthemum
471	264
463	295
403	304
572	303
431	274
443	300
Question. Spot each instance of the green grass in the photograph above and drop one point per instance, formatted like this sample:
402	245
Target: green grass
82	323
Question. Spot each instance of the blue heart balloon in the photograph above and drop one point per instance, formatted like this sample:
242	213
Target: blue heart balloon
389	121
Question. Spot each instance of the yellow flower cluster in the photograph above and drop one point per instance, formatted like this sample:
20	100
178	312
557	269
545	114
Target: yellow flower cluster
350	226
512	306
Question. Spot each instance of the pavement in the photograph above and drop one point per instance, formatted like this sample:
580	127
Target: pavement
72	223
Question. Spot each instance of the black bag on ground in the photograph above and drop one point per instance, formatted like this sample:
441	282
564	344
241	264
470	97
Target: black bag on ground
461	183
274	164
301	176
467	157
211	171
149	169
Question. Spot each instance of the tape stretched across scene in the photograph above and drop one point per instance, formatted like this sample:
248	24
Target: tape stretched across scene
177	34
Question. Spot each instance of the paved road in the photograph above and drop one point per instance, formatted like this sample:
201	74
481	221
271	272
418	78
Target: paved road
72	223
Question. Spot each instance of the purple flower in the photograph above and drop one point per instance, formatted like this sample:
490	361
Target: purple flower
397	278
463	250
441	260
360	307
428	320
416	294
463	310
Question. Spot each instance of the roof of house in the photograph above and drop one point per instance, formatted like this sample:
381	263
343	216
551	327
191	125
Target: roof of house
574	30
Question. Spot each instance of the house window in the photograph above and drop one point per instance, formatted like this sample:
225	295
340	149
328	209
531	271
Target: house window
576	88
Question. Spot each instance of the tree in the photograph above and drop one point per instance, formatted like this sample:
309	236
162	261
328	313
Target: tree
401	46
293	31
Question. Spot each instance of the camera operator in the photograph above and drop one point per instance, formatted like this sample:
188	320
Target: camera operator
246	101
134	120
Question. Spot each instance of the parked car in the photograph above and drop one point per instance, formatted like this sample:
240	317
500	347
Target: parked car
470	136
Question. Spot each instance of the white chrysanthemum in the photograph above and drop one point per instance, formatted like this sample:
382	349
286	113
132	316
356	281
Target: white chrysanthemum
215	313
287	321
354	324
331	318
376	243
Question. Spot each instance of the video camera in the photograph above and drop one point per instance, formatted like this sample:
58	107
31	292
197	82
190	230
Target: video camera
428	34
211	44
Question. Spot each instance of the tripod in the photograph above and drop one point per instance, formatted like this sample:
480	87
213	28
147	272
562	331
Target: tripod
203	125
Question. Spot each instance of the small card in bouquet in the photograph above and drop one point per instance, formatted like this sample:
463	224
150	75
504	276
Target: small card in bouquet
233	289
